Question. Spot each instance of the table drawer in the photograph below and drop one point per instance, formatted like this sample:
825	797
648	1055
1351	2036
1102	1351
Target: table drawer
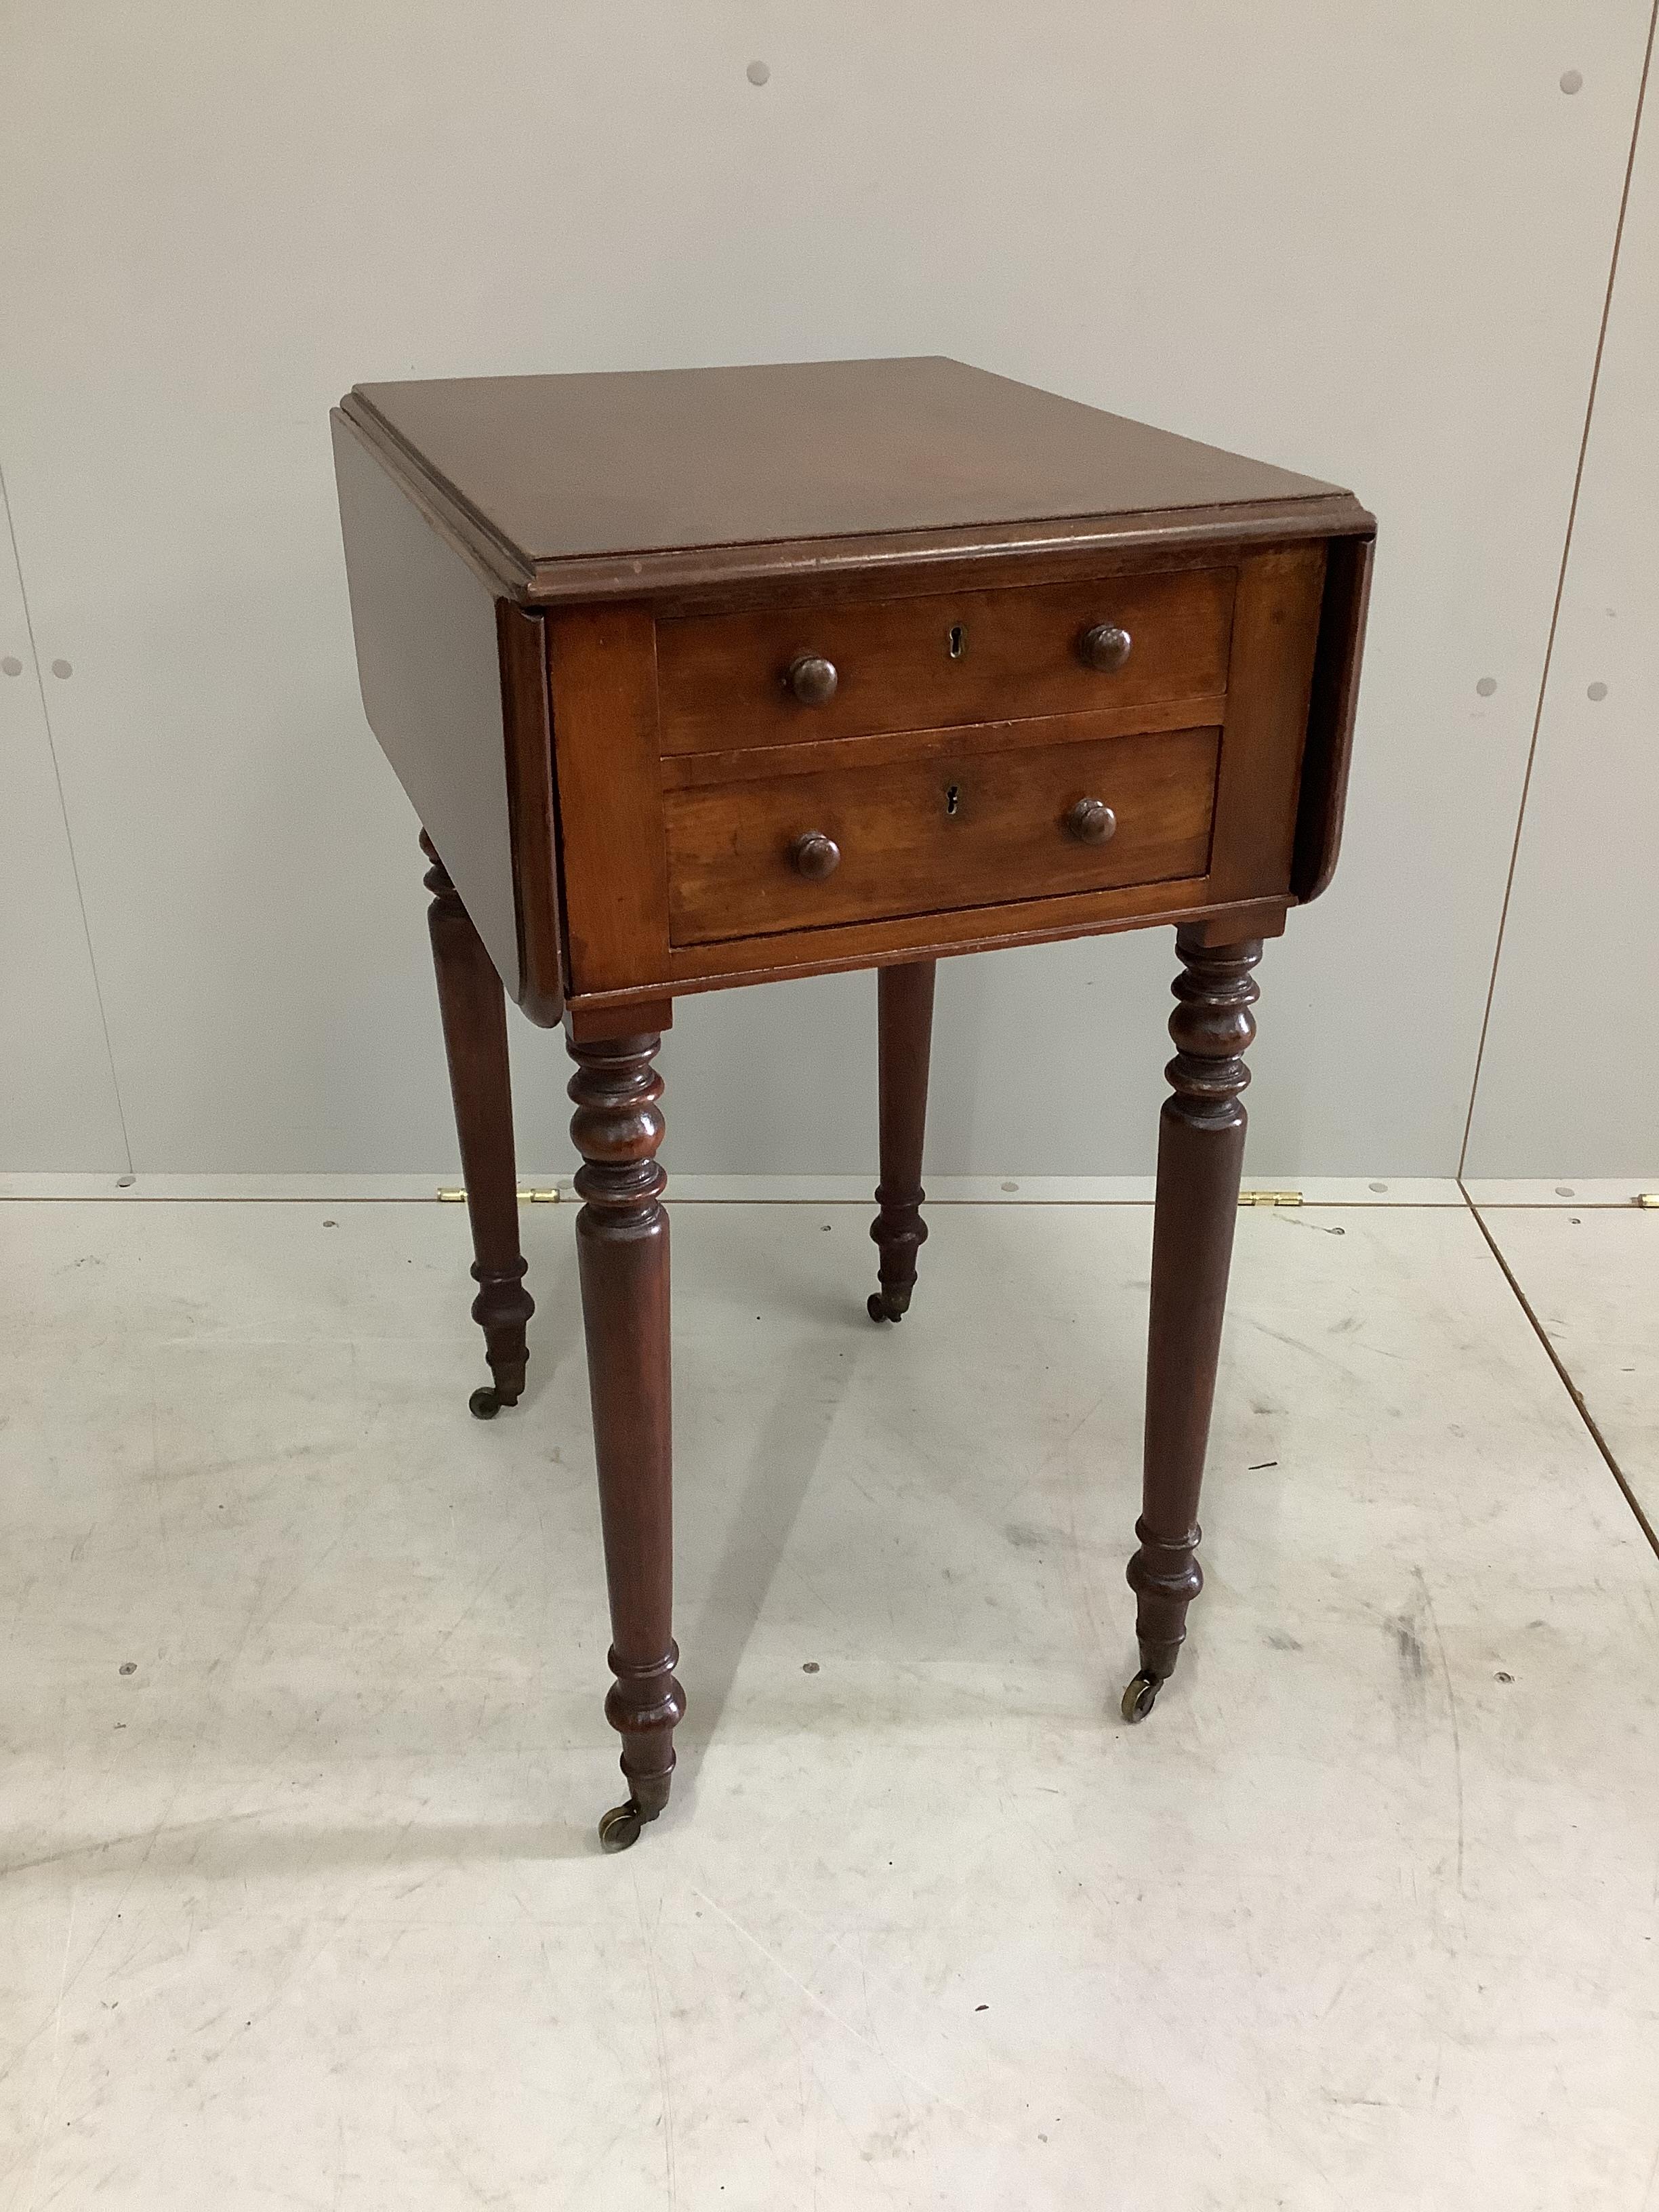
944	821
726	681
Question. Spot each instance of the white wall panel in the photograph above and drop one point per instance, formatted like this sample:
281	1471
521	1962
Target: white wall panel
1370	242
58	1103
1570	1077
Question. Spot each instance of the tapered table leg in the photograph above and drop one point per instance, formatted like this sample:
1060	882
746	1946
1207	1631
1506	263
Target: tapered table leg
622	1244
473	1007
904	1014
1200	1154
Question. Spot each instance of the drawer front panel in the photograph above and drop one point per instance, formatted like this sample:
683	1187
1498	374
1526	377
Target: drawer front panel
725	681
960	822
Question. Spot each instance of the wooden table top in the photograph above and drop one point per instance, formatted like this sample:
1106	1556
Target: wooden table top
565	486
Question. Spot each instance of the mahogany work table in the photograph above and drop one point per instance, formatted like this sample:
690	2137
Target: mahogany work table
707	676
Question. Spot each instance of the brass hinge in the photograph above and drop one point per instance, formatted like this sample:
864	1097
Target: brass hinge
1650	1198
1270	1198
526	1197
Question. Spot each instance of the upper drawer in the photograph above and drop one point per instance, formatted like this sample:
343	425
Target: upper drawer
725	681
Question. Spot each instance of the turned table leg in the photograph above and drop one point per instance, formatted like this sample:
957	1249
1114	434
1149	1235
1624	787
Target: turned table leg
904	1015
1201	1153
473	1007
622	1245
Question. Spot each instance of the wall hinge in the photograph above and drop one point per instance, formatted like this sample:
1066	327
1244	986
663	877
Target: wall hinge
526	1197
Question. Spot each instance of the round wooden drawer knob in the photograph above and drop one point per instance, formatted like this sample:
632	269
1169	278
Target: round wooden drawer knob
1091	822
812	678
815	855
1105	647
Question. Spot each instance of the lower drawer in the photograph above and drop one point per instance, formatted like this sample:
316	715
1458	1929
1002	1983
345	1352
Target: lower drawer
972	817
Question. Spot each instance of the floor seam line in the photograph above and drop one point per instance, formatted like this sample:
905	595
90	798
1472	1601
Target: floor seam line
1580	1406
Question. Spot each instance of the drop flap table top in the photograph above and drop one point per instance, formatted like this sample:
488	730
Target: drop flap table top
567	486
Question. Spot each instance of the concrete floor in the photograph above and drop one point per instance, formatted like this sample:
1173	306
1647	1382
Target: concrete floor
1590	1274
302	1746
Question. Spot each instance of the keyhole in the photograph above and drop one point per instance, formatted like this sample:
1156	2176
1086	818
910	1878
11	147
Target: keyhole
959	643
952	792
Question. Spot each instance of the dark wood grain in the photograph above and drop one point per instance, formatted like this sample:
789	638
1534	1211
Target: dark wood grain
1331	716
603	677
1200	1154
588	1021
564	473
693	771
474	1015
975	826
772	571
429	662
622	1244
904	1011
533	812
740	960
723	679
1275	625
454	686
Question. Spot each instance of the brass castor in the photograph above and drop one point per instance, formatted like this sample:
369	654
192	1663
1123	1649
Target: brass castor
878	1309
621	1827
1141	1696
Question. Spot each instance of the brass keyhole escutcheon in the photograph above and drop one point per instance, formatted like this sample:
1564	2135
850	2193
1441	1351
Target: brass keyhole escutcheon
956	642
952	795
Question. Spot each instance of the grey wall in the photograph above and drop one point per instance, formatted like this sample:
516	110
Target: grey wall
1369	243
1570	1075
